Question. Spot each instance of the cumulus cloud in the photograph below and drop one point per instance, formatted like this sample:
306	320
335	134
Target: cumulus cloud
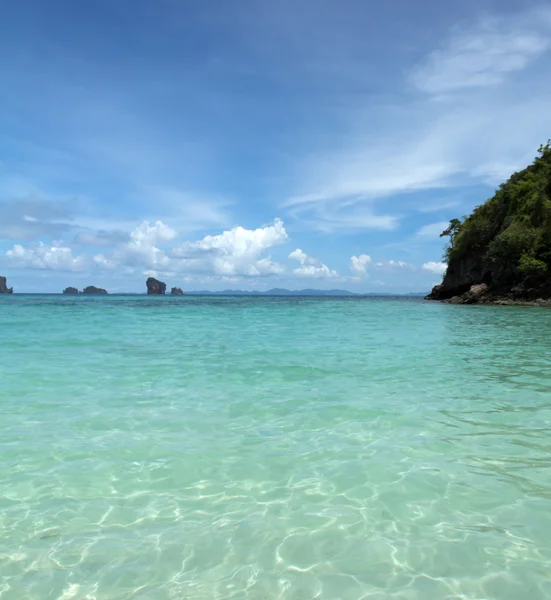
42	256
237	251
302	257
358	264
234	253
311	267
438	268
142	250
311	271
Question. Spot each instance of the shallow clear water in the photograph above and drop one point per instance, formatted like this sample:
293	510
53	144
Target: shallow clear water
201	448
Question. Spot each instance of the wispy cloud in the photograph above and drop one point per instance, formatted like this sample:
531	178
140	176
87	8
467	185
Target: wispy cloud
32	218
419	144
432	230
484	54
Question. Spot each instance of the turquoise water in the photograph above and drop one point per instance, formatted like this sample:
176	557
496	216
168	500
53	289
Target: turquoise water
232	448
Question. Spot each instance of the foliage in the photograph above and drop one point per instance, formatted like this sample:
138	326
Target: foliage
531	266
506	249
510	234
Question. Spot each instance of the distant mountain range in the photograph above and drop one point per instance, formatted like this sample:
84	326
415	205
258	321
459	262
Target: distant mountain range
284	292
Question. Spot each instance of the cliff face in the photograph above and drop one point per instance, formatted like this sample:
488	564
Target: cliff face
155	287
503	248
4	289
460	276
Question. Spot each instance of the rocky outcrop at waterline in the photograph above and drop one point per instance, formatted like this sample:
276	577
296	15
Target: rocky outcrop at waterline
176	291
155	287
501	253
4	289
70	291
92	290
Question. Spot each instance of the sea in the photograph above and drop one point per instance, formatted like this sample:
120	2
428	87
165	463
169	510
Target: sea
290	448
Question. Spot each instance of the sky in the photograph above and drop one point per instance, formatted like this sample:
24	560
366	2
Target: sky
258	144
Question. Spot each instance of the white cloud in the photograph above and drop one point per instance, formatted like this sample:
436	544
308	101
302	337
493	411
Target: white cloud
432	230
42	256
142	250
422	143
149	235
311	267
302	257
481	56
321	272
237	251
358	264
438	268
400	264
233	253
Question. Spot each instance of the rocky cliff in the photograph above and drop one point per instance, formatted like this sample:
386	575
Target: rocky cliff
4	289
155	287
176	291
502	252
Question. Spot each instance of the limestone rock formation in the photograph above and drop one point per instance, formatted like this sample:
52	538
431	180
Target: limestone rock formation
93	290
473	296
155	287
501	253
176	291
4	289
70	290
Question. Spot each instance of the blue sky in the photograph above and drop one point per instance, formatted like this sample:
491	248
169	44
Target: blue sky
257	144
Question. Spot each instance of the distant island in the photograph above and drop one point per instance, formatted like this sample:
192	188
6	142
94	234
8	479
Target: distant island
155	287
4	289
90	290
94	290
501	253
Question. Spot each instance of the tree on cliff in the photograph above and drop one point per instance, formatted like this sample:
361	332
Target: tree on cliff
507	240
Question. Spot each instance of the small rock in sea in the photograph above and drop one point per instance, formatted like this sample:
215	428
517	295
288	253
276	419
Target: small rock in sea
70	290
93	290
176	291
4	289
154	286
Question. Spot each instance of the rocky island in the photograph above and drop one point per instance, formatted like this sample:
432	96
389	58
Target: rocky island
4	289
501	253
155	287
70	290
93	290
176	291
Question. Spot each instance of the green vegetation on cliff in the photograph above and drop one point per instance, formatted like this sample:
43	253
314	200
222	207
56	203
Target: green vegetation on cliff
506	241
